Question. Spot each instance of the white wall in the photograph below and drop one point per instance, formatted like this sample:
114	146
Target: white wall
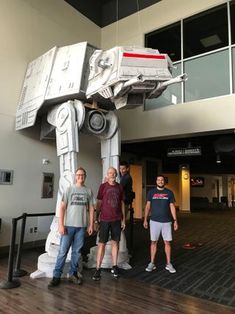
188	119
28	28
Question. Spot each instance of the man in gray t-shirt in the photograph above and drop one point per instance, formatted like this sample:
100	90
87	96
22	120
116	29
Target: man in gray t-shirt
76	199
77	202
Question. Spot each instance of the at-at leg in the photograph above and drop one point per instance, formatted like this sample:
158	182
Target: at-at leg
110	153
64	118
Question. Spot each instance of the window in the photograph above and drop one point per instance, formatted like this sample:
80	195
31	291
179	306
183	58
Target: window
233	58
172	95
205	56
208	76
232	14
166	40
205	32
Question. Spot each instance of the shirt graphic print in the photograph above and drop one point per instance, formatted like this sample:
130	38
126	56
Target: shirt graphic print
78	199
160	196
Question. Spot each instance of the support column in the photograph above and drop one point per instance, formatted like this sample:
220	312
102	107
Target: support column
184	188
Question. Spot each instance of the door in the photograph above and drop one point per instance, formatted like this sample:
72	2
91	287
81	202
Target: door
136	174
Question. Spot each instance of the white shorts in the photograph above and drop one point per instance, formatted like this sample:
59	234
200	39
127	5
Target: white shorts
163	228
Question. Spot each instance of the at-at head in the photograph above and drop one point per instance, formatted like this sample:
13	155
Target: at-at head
121	77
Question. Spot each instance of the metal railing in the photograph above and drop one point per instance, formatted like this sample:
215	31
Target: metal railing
11	282
13	273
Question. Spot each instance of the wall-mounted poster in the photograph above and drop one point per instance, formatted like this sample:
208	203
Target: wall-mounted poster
47	185
6	176
197	181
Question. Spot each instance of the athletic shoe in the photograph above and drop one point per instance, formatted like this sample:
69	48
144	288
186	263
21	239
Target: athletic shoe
150	267
75	279
115	271
97	275
54	282
170	268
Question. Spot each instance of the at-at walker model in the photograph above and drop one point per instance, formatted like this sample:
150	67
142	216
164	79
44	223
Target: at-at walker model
76	89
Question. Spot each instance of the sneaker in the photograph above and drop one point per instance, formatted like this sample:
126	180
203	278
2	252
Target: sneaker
54	282
97	275
75	279
115	271
150	267
170	268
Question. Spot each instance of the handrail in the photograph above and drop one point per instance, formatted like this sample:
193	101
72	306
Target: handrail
11	282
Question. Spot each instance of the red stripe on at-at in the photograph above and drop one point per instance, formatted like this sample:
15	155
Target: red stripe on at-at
144	56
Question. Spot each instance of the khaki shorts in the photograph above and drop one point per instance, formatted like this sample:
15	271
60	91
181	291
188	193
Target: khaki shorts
163	228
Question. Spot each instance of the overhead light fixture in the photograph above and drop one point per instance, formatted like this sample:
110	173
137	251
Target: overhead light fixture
218	160
210	41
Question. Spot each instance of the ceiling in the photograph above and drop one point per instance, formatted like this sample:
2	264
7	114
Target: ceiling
105	12
211	146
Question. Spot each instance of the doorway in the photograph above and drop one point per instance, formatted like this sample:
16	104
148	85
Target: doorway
136	172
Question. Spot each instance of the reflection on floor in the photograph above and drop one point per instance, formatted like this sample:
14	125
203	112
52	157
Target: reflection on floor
205	271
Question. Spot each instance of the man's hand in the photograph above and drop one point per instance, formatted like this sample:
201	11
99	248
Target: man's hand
175	225
145	224
90	229
96	226
62	230
123	224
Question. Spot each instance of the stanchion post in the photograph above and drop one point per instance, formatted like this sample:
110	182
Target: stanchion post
131	227
10	283
20	272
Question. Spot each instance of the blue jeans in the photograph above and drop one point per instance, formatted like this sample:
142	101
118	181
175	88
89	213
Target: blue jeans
75	238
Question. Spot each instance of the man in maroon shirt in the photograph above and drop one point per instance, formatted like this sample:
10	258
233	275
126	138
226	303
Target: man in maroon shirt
110	210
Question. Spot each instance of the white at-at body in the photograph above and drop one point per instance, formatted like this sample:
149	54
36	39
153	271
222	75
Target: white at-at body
77	88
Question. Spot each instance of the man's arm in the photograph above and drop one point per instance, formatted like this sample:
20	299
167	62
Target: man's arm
90	228
98	206
146	214
123	216
96	219
173	213
61	218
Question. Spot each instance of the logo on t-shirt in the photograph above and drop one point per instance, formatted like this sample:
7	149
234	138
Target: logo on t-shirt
160	196
78	199
112	198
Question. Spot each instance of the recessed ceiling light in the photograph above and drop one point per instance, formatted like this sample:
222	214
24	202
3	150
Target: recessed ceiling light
218	160
210	41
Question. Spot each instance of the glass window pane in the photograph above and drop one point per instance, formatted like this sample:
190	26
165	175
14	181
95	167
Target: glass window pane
206	31
232	14
166	40
172	95
233	58
208	76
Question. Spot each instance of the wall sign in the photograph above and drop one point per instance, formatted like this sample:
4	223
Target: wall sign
6	176
188	151
47	185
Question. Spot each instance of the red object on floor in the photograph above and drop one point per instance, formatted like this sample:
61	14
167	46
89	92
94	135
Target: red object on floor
189	246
